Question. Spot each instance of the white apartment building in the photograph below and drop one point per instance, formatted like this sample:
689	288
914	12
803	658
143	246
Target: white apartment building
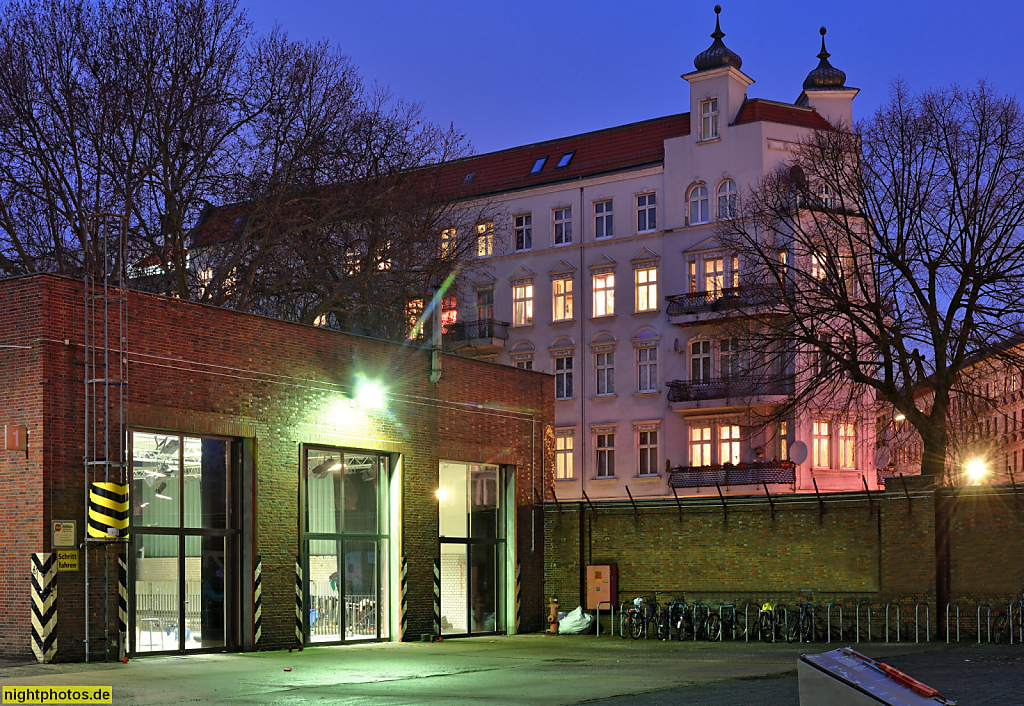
601	267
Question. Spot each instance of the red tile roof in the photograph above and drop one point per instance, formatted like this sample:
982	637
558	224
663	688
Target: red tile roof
769	111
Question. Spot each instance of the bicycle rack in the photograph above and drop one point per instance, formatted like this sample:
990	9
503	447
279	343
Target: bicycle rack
828	620
948	606
746	618
927	622
988	617
721	617
598	619
696	627
785	620
859	604
1009	614
887	607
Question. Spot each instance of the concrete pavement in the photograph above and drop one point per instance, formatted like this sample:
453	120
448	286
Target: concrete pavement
524	669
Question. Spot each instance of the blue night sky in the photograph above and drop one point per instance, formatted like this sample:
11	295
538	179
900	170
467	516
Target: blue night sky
512	73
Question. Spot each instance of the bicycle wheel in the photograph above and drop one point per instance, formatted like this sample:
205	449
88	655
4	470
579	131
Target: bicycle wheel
766	626
623	622
1000	628
636	624
807	628
793	628
713	627
663	624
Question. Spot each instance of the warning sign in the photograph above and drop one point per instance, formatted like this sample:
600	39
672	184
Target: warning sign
63	533
67	560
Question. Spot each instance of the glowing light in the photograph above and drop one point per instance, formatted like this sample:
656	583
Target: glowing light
370	395
976	470
441	494
899	417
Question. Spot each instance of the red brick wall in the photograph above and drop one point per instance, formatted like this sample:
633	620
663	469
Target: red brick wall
200	369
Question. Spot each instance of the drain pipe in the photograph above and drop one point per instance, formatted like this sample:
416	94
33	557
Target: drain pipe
435	348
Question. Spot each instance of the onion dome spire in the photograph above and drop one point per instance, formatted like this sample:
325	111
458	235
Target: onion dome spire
717	54
825	75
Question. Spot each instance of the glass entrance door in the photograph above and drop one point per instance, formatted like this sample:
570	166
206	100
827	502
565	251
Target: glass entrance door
345	540
182	530
472	542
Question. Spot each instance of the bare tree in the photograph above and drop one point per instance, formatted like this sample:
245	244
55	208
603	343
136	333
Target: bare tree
893	258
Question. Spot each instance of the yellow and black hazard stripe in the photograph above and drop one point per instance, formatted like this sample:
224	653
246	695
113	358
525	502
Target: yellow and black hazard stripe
108	510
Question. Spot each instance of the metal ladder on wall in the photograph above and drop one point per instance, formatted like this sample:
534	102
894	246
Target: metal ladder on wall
106	416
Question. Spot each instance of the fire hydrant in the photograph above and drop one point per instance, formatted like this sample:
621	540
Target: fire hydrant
553	616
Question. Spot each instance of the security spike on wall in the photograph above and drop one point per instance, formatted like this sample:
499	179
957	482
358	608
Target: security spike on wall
44	606
257	602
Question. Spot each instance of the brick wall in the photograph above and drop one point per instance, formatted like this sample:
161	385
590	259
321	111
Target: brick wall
205	370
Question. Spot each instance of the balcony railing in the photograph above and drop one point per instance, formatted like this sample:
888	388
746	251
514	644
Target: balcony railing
719	388
467	331
742	474
713	301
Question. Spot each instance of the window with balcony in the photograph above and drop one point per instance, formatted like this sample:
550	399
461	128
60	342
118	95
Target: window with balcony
563	378
563	225
847	445
647	369
563	455
700	361
646	282
714	276
646	213
700	446
561	296
819	441
698	202
484	239
523	231
605	447
728	200
604	294
522	304
603	217
647	448
604	364
709	119
729	444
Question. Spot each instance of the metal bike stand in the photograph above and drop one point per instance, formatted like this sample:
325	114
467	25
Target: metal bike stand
988	617
887	607
948	606
927	622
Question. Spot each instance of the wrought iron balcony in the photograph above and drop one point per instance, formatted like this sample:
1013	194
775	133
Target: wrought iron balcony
482	335
741	474
713	301
721	388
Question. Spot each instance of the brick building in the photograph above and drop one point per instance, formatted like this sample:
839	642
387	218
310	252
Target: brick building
249	447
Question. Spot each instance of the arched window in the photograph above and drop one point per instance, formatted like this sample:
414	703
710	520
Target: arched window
698	204
727	200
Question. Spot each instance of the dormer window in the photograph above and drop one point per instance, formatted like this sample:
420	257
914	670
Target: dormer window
709	119
538	165
564	161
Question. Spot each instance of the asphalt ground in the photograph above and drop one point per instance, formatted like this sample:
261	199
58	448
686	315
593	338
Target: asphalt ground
523	669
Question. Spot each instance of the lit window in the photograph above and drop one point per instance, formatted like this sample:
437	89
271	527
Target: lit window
647	445
522	304
604	294
484	239
647	369
351	261
647	289
700	446
603	219
729	359
783	441
447	243
691	269
538	165
563	457
524	232
646	212
485	307
413	312
566	158
700	361
709	119
605	367
819	458
818	265
714	276
563	225
729	444
563	378
847	445
605	455
449	310
727	200
561	295
698	200
320	320
734	272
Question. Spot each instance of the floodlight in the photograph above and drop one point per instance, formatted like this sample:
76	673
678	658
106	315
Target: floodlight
370	395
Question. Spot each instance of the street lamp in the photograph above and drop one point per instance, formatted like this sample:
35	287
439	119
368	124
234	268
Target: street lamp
976	470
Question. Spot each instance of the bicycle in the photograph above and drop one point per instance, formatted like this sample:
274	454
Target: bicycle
801	623
647	612
770	622
715	624
680	618
1004	623
628	615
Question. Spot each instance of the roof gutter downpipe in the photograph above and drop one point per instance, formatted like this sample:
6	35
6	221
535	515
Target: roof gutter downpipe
435	348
